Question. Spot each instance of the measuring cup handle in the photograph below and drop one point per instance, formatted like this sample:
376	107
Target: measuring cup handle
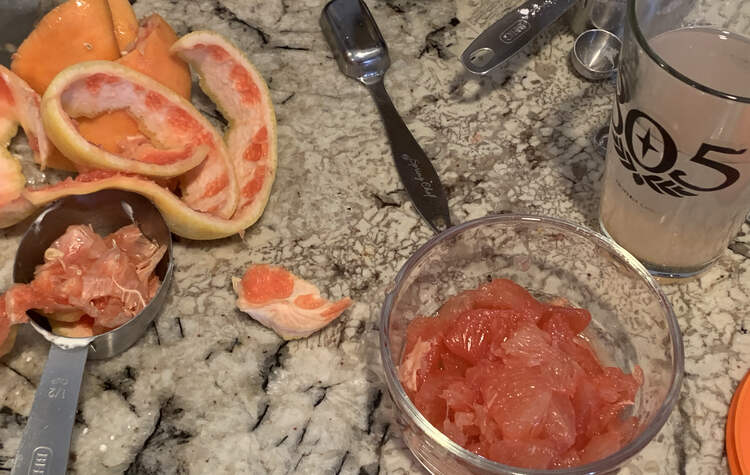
45	443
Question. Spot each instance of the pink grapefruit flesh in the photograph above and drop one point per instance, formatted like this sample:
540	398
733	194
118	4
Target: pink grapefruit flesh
512	379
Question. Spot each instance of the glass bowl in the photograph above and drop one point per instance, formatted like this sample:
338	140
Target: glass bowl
632	321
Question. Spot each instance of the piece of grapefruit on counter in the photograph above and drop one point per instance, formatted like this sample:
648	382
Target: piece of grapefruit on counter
19	104
241	94
290	306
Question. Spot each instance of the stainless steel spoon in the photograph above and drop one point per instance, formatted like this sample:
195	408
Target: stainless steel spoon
362	54
46	440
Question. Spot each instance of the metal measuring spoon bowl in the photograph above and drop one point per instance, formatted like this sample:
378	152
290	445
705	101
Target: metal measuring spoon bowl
46	440
595	54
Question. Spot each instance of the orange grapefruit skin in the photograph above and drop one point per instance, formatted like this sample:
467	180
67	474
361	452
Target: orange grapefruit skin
75	31
252	134
124	23
150	55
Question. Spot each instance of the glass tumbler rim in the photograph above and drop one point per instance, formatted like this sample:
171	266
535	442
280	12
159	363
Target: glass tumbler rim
634	25
405	406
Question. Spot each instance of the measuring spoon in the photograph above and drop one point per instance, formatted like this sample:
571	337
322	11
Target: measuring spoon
45	443
361	53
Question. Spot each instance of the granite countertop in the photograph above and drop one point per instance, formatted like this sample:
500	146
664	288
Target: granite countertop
208	390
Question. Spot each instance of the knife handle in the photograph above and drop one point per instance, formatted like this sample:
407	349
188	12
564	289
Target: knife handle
498	43
416	171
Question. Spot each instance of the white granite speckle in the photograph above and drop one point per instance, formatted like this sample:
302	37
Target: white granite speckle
208	390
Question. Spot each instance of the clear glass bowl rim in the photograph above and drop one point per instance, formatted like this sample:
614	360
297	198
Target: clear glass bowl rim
406	407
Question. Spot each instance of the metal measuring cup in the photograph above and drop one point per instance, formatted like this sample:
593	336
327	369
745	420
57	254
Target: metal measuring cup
606	15
599	25
45	443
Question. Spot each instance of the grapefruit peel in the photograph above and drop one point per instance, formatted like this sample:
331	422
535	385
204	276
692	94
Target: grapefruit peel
19	104
124	24
257	166
92	88
242	96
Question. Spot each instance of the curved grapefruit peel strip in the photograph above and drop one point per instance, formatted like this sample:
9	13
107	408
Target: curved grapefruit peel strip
92	88
259	153
19	104
279	300
241	94
181	219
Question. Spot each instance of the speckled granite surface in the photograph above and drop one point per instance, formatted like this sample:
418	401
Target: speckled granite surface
208	390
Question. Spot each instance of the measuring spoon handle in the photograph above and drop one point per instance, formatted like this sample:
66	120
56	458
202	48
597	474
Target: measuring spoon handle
45	443
508	35
414	168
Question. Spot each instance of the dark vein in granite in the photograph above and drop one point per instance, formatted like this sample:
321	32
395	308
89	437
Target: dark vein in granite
179	324
383	203
121	389
226	14
740	248
20	374
381	443
679	440
158	340
163	433
217	116
435	40
282	440
303	432
134	466
293	48
272	362
260	418
341	464
233	345
394	6
300	461
288	98
374	404
6	414
321	397
79	418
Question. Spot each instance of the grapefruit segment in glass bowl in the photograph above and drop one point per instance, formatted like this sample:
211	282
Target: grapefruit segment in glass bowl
522	368
528	345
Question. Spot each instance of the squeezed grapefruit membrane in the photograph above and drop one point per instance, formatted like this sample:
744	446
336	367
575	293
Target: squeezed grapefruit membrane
87	284
512	378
